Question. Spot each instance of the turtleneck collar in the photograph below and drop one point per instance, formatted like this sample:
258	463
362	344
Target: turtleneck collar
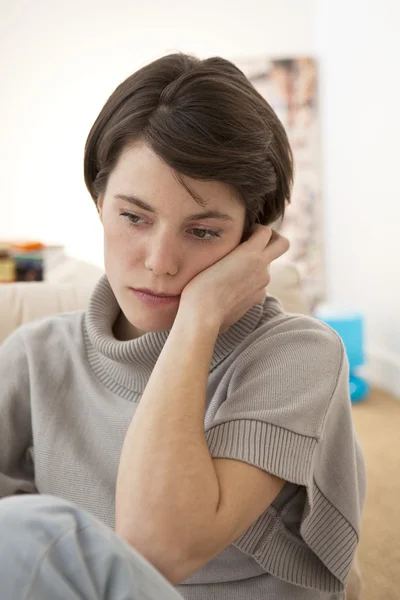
125	367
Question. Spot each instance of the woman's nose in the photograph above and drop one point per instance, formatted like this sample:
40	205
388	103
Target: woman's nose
162	256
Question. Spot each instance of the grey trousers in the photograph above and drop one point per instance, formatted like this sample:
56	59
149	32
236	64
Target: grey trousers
52	550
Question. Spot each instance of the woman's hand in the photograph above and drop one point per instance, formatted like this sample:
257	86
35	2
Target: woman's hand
224	292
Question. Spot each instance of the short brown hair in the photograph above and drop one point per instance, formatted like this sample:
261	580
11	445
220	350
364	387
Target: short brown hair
206	121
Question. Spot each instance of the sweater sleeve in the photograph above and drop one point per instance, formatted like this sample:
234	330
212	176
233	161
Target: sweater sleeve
287	410
16	464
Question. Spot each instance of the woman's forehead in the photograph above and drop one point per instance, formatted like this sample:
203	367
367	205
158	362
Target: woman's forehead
140	173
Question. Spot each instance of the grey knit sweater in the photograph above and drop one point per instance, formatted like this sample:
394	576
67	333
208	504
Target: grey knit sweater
277	398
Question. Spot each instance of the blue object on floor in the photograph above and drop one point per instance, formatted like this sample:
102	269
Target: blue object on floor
350	327
359	389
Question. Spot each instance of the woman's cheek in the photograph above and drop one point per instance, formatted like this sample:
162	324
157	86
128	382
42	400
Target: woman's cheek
201	261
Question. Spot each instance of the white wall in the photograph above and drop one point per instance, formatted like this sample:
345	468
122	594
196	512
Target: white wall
59	61
359	47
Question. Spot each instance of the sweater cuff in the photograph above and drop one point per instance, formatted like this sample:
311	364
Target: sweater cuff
321	558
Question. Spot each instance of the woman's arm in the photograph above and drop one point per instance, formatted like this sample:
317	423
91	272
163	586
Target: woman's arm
174	503
167	487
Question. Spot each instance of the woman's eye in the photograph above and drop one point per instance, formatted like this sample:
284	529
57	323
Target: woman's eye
133	219
205	234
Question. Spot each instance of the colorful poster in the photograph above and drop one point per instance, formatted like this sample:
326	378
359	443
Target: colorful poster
290	86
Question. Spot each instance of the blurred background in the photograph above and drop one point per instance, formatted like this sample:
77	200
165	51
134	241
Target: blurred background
329	68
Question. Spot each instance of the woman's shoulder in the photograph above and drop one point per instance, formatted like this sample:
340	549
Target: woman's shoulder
287	373
292	334
55	328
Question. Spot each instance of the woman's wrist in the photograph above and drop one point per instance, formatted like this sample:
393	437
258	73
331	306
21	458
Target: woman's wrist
197	319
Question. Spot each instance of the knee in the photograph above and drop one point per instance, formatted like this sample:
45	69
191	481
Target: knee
47	544
38	517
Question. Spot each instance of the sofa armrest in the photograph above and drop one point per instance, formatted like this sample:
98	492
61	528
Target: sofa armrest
286	285
24	302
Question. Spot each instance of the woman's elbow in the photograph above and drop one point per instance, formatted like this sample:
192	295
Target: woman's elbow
167	556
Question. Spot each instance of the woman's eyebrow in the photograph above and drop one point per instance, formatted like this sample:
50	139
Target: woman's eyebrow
209	214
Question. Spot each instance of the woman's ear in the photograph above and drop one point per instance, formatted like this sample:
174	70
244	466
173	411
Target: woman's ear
99	206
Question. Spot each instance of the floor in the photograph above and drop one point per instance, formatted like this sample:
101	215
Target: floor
377	421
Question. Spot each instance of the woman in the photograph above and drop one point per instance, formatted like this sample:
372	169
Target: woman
184	409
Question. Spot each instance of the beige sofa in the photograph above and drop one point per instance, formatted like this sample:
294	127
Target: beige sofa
69	290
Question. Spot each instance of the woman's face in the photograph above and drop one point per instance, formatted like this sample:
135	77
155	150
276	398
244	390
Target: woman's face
157	237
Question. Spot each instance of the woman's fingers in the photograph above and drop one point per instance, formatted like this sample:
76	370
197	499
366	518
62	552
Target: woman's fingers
265	239
260	237
276	247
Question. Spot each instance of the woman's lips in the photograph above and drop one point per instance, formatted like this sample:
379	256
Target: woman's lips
152	300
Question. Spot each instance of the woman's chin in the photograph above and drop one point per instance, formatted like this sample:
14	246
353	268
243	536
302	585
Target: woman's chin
137	318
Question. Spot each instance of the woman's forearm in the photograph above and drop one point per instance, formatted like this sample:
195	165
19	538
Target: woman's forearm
167	488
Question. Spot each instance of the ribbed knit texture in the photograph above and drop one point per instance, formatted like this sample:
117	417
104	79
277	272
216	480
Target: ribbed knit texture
277	398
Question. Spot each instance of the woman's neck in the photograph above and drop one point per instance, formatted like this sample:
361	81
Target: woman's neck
123	330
